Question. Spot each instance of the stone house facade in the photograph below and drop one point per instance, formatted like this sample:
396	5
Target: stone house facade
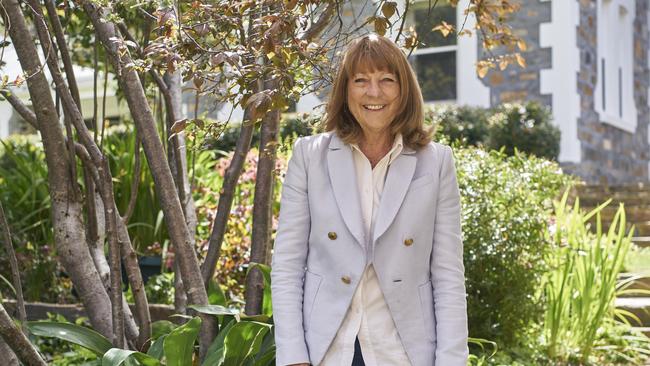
588	61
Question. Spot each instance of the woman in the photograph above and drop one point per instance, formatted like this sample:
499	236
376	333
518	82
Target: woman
367	265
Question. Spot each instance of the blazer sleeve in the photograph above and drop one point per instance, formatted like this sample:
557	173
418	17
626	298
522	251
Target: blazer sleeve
447	270
289	262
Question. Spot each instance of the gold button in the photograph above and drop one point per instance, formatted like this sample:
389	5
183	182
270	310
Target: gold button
346	280
331	235
408	242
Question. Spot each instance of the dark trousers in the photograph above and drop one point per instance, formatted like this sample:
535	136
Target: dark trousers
358	358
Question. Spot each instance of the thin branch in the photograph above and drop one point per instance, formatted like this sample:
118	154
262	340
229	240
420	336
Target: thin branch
15	272
17	341
135	182
21	108
401	26
317	28
95	105
101	123
63	50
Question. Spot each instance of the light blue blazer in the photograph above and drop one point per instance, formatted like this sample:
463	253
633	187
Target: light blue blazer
319	253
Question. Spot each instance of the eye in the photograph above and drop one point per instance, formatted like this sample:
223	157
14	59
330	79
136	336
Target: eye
389	79
359	80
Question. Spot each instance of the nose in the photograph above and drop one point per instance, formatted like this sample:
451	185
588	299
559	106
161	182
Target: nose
373	89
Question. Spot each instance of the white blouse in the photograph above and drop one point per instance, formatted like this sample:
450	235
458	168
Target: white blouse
368	316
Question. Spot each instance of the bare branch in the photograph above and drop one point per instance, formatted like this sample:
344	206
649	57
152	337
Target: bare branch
135	182
63	50
15	272
21	108
226	197
17	341
317	28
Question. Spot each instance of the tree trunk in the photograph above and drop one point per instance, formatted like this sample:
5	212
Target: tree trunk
179	233
7	356
96	227
262	215
226	195
178	152
69	233
17	341
177	158
129	258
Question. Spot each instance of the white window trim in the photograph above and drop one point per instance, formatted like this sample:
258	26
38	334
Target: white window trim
628	121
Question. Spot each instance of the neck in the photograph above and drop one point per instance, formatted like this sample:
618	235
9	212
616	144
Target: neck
375	146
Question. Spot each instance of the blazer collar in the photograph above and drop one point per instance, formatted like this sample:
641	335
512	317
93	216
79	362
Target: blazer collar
336	143
344	183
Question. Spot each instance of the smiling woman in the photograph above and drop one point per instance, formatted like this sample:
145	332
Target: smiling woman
367	265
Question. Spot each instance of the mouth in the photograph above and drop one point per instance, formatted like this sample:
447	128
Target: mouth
374	107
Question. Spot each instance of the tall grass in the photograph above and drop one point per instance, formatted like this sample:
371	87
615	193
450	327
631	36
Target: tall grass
581	287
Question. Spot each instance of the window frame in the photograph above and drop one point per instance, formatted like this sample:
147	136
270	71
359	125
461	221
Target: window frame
614	90
435	50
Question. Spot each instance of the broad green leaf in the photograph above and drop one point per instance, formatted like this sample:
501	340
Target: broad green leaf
256	318
214	310
215	354
244	340
215	294
266	355
72	333
116	357
156	350
179	344
161	327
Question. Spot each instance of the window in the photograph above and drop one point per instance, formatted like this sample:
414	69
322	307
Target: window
435	59
615	86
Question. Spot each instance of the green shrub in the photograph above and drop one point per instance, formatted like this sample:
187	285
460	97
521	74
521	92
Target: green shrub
506	208
468	125
525	127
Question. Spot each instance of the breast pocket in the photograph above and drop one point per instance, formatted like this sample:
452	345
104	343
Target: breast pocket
310	290
426	305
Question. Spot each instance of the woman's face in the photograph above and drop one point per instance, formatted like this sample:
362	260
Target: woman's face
372	98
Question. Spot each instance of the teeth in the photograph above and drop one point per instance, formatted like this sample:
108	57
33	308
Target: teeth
374	107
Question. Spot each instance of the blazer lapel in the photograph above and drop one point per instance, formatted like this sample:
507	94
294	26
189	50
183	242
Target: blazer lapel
398	179
343	178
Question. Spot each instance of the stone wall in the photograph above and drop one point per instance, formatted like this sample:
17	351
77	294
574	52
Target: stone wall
515	84
609	154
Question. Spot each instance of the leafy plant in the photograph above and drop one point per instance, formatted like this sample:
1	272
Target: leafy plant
506	209
242	340
582	284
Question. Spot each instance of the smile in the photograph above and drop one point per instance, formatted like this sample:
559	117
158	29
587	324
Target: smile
374	107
